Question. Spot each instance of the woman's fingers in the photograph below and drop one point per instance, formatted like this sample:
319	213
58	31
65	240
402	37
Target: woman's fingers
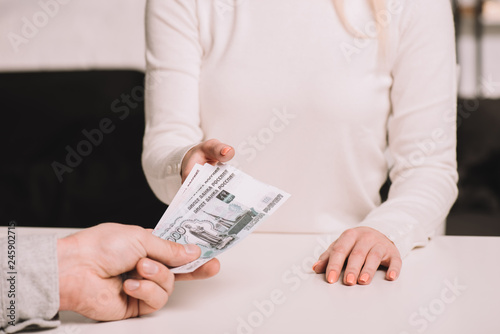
364	249
339	251
215	151
320	266
210	151
335	264
394	267
372	262
355	262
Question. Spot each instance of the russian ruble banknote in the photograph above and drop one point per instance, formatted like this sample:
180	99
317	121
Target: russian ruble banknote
215	208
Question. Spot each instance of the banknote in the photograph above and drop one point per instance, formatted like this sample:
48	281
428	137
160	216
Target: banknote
215	208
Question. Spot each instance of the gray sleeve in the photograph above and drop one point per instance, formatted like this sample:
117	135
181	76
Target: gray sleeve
32	300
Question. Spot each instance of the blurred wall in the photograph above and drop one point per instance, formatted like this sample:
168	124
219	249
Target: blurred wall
92	34
67	66
71	34
489	82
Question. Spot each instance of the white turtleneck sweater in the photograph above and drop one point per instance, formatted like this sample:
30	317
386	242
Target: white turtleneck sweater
309	108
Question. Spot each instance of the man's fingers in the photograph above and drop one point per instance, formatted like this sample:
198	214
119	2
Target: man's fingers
152	291
151	296
157	273
167	252
215	151
207	270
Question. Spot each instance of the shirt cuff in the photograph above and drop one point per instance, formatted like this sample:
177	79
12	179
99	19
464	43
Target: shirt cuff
165	180
404	232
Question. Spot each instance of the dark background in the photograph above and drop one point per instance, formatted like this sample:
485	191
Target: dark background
477	209
44	112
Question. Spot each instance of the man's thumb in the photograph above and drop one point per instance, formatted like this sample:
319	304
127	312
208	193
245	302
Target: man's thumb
170	253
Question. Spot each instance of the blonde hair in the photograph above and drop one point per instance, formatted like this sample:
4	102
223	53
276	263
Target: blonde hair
377	7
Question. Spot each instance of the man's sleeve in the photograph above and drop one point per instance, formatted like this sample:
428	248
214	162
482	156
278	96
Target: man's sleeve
29	286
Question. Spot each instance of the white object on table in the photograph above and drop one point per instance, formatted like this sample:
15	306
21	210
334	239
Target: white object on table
266	285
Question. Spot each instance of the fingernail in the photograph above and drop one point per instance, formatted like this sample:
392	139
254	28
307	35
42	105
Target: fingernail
392	275
132	284
191	249
350	279
225	150
364	278
149	267
331	277
315	265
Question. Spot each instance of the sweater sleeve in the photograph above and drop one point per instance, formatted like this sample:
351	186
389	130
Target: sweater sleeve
173	56
422	128
30	298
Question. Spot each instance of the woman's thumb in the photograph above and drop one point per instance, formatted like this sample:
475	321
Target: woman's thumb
217	151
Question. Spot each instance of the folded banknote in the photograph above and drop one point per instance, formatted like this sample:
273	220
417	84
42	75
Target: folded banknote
215	208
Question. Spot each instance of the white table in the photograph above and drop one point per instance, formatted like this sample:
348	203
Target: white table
273	271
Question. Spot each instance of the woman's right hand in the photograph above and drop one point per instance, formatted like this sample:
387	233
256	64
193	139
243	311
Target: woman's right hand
210	151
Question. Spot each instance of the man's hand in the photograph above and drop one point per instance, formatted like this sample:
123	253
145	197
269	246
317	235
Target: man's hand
113	271
364	249
210	151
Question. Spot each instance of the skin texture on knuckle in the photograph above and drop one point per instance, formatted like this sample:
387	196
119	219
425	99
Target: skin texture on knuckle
148	294
210	145
324	256
211	142
370	238
358	253
175	250
341	249
377	254
350	234
144	234
396	260
164	278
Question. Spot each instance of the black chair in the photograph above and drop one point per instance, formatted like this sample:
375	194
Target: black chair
45	116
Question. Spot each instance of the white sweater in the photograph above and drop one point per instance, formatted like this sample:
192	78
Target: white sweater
309	108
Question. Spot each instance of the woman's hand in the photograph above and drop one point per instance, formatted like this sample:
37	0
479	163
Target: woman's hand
113	271
364	249
210	151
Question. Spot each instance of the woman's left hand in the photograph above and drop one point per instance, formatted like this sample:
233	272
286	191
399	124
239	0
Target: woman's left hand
364	249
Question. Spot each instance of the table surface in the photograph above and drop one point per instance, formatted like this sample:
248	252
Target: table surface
266	286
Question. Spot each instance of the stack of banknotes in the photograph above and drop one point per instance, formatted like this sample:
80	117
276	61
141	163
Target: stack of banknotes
215	208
